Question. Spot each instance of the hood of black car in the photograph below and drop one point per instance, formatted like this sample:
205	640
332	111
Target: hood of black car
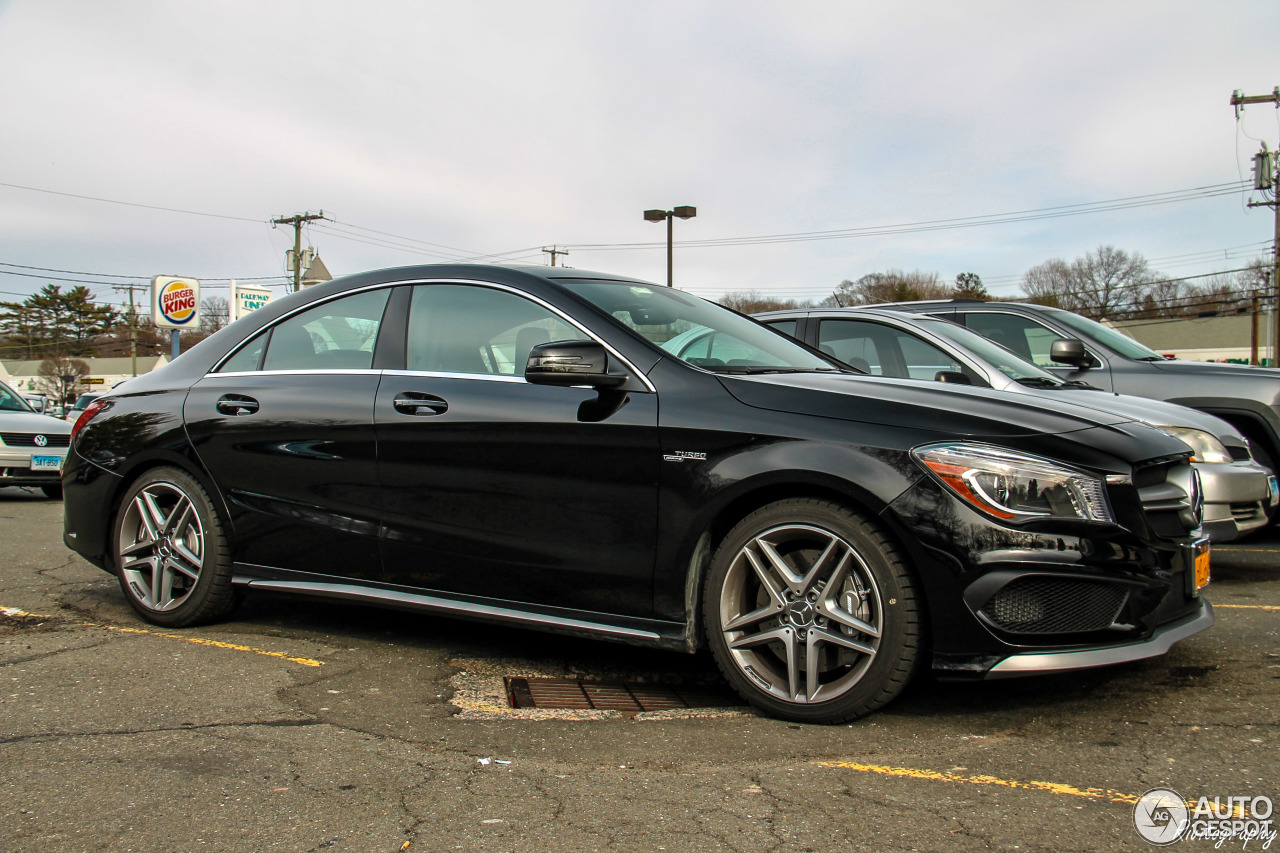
960	411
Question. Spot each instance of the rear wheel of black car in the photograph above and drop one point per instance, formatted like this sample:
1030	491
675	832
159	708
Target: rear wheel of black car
811	612
171	555
52	492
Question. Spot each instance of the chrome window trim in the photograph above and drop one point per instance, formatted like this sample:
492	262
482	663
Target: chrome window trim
316	371
502	377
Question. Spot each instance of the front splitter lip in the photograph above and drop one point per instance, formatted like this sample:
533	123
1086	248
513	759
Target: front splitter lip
1041	663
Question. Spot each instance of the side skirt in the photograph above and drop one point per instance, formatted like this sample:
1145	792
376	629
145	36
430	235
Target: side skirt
598	626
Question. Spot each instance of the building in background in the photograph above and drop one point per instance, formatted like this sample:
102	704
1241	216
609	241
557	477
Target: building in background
1200	338
24	376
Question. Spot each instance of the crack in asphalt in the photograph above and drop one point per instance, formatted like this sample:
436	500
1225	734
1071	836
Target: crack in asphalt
193	727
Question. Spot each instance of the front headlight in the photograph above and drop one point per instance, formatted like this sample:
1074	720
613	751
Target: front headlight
1205	446
1015	486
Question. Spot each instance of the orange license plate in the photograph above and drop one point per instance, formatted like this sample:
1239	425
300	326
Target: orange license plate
1202	566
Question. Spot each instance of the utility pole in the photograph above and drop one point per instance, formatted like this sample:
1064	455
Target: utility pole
133	322
1266	176
1253	329
553	251
297	221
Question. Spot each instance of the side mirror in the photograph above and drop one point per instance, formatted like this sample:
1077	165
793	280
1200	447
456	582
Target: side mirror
1071	351
952	376
571	363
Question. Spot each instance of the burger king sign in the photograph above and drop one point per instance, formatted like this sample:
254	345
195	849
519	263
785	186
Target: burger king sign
175	302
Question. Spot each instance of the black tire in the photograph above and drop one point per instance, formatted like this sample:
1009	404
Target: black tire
52	492
804	579
166	534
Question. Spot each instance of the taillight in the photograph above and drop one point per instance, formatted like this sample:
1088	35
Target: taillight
90	412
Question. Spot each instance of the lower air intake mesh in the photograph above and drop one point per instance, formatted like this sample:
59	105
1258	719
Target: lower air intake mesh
1055	605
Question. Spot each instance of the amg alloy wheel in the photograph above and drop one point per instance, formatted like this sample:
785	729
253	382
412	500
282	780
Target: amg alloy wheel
171	555
811	613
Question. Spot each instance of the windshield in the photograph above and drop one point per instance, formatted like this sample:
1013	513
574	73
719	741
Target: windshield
1006	361
1107	336
11	401
700	332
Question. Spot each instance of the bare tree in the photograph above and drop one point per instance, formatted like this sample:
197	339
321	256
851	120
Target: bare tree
1102	283
215	312
891	286
59	378
753	301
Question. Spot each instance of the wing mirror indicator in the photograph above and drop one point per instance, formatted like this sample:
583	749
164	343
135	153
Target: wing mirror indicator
1071	351
571	363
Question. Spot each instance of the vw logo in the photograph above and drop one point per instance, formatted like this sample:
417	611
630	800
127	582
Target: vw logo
41	441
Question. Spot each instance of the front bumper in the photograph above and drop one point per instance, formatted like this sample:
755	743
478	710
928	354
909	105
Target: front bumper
1237	496
1037	663
16	470
1007	601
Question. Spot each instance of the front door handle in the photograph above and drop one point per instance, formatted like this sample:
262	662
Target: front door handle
236	404
417	403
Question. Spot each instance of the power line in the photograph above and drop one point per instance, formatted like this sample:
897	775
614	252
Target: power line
132	204
1126	203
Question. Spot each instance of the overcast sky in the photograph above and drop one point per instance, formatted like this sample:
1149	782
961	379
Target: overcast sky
477	128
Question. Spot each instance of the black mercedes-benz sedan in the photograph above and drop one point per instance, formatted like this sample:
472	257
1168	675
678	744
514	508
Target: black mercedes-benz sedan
516	445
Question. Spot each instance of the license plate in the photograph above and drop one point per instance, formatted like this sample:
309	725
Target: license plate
46	463
1200	555
1273	490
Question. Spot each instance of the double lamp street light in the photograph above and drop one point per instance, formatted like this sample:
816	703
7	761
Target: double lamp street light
684	212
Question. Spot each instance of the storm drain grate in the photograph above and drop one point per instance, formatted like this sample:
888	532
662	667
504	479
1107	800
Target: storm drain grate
577	694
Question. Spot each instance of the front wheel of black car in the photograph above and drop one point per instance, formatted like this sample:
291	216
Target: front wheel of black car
811	612
171	554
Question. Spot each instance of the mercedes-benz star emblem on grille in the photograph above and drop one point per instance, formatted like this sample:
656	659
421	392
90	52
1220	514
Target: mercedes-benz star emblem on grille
1197	497
41	441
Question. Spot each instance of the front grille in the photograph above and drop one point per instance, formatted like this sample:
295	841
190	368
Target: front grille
1035	605
1169	490
1239	453
28	439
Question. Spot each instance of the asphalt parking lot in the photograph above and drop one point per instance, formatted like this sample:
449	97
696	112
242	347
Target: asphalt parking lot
305	726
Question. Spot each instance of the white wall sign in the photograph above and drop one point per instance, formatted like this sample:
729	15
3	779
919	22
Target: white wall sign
245	300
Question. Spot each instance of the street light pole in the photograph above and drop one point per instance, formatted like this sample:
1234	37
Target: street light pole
684	212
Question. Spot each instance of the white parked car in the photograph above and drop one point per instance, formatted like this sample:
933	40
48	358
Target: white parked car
32	446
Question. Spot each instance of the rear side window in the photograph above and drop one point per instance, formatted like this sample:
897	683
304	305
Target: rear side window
337	335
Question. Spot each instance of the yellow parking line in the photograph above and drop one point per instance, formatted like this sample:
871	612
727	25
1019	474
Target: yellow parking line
1247	606
218	644
935	776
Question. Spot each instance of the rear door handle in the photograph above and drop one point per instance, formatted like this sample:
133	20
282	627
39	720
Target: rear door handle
236	404
417	403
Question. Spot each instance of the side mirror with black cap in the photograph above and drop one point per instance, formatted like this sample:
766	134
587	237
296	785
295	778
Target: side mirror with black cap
952	376
571	363
1071	351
